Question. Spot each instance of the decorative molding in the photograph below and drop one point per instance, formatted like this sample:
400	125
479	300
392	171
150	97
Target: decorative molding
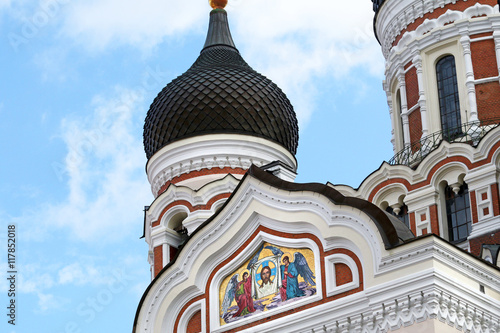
447	255
422	102
486	226
404	105
252	191
194	197
408	301
397	15
190	312
480	159
330	274
496	38
213	151
403	52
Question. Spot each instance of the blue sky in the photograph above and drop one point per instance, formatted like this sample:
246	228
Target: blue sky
77	80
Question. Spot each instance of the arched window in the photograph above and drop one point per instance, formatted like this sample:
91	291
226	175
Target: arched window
449	103
458	213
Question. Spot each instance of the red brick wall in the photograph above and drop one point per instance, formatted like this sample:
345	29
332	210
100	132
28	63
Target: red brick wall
413	225
434	219
411	87
490	238
460	5
343	274
158	259
194	325
488	100
484	59
173	252
495	200
473	206
415	123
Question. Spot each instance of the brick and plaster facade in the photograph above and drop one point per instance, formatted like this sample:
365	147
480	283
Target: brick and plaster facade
414	36
378	258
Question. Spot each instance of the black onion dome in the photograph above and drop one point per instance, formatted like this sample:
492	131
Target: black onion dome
220	94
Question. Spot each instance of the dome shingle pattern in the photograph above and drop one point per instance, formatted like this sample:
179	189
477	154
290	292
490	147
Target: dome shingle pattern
220	94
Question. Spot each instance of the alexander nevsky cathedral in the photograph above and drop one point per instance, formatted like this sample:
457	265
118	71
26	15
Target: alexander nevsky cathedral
235	245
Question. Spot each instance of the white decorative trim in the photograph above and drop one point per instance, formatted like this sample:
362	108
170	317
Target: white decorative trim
189	313
403	52
413	108
330	274
487	80
422	101
444	253
194	197
213	151
196	218
423	223
496	37
395	16
289	204
404	105
427	295
486	226
469	76
480	39
484	204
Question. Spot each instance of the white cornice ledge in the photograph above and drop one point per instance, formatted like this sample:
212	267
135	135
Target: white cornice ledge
437	249
395	16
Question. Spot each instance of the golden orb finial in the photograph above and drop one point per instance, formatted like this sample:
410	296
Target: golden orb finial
218	4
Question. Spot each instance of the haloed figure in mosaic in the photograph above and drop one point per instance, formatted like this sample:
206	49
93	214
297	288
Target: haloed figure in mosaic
243	296
290	272
266	286
265	276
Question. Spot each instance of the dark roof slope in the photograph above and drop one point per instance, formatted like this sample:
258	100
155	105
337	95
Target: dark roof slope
392	230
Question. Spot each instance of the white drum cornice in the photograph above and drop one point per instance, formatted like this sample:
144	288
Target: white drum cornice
213	151
448	25
395	16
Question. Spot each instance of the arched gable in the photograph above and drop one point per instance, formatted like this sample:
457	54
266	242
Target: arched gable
348	232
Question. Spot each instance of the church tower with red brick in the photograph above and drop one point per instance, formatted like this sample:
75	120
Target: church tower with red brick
443	90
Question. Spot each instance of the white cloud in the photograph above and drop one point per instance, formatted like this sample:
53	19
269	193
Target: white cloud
296	44
104	168
78	274
32	282
50	302
49	283
291	42
53	65
98	23
4	3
